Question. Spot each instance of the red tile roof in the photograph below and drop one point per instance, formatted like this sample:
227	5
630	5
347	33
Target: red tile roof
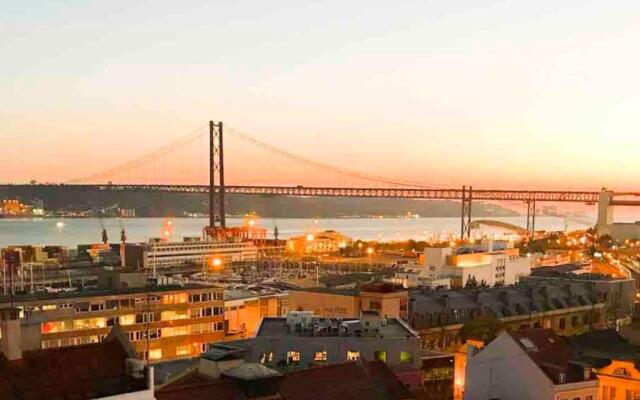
72	372
551	353
346	381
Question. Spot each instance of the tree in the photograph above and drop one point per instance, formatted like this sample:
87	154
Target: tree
484	327
472	282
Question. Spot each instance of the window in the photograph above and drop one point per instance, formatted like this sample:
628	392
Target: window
562	324
353	355
173	315
128	319
293	357
380	355
266	357
320	356
621	371
406	357
561	377
632	395
375	305
175	331
177	298
182	350
574	321
155	354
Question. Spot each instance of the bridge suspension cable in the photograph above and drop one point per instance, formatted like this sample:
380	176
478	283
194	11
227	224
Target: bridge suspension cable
328	167
167	149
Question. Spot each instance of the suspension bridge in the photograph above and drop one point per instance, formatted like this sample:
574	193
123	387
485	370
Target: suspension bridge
127	177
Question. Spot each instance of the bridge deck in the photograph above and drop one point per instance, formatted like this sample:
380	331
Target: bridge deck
400	193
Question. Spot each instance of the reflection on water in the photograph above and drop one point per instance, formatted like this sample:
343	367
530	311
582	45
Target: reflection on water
70	232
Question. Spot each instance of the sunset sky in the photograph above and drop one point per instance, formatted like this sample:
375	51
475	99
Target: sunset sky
510	94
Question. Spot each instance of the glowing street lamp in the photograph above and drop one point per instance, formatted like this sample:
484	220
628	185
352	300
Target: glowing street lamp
310	237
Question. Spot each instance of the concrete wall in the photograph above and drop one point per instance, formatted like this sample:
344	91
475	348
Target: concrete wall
328	305
336	348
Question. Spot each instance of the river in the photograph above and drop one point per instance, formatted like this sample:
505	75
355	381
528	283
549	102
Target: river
72	231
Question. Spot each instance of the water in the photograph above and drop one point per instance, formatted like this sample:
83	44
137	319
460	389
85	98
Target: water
70	232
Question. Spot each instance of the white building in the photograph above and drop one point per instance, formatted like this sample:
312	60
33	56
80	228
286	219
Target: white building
530	364
617	230
159	254
486	264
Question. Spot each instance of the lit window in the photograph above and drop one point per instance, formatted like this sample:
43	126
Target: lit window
155	354
128	319
406	357
172	315
182	351
353	355
293	356
320	356
266	357
380	355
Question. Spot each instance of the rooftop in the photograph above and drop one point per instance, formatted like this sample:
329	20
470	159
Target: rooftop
345	381
432	307
551	353
600	347
150	289
87	371
331	327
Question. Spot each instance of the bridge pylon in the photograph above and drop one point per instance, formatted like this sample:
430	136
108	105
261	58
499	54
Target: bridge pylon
216	167
531	217
465	215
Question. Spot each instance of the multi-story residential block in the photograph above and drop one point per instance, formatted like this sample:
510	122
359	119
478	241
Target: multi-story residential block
162	322
618	294
568	309
302	339
106	370
528	364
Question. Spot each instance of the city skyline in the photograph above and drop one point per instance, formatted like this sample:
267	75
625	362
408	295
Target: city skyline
500	95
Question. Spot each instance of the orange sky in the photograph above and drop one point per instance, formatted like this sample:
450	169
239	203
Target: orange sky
507	94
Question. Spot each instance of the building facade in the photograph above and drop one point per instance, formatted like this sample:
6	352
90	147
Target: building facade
302	339
485	265
162	322
439	315
390	300
209	255
528	364
244	309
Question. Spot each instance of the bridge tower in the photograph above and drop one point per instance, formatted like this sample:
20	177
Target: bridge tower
216	167
465	222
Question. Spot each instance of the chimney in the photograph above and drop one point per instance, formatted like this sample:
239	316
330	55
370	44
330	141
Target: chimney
11	342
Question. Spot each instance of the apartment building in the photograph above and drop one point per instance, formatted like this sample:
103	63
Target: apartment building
303	339
567	308
105	370
162	322
483	265
528	364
